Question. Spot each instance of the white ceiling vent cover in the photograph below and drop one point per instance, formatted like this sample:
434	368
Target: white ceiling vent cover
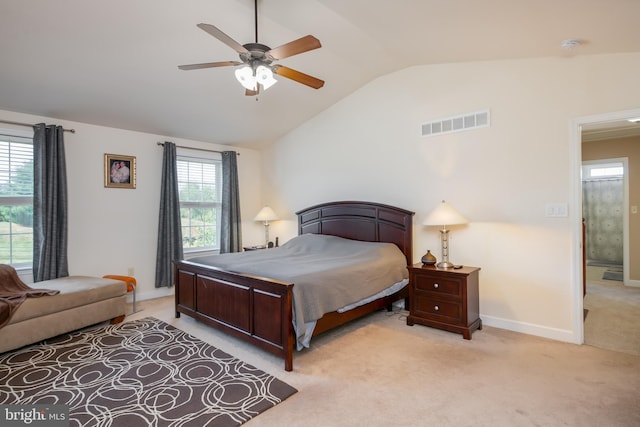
479	119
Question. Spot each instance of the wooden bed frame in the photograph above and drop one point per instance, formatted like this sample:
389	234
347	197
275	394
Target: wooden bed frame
258	310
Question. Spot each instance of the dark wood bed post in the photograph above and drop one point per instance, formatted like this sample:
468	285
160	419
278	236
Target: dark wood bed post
259	310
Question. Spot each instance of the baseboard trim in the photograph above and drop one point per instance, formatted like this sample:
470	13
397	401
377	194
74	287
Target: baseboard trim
633	283
530	329
155	293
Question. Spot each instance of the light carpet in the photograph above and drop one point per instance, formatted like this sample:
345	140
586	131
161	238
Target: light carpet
139	373
379	372
613	319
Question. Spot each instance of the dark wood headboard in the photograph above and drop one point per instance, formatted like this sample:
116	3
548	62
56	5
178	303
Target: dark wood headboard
366	221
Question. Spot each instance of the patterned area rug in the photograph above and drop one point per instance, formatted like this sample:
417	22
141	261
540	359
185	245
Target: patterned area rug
139	373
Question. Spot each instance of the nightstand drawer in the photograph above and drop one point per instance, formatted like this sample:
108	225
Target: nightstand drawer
437	310
439	285
447	299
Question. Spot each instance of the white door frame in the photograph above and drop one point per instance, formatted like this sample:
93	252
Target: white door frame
576	210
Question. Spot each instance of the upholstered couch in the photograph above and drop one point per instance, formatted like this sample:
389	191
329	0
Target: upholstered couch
82	301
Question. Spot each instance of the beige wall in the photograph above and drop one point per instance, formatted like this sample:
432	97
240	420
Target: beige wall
617	148
110	229
368	147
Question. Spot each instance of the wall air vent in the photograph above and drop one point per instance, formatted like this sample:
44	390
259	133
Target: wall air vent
475	120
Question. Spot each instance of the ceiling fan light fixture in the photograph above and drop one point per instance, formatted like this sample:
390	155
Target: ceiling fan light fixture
264	76
256	66
246	77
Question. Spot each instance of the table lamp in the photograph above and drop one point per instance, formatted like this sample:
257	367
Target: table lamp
265	215
444	215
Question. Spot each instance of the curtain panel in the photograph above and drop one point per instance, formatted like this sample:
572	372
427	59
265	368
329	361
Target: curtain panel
169	226
602	207
231	222
50	227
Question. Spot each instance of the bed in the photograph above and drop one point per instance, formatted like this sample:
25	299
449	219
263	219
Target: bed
259	309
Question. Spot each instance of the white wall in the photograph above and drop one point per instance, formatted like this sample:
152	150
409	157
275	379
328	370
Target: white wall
368	147
113	229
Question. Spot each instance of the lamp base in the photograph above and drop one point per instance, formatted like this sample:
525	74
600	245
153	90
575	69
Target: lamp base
445	264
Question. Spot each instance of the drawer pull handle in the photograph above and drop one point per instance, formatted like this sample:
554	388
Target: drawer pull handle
436	308
435	285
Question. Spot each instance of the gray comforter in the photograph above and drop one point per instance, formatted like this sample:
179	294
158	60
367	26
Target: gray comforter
328	272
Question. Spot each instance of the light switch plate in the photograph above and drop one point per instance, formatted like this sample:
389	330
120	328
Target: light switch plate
557	210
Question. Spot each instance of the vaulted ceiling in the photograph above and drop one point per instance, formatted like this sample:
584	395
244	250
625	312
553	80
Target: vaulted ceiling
114	63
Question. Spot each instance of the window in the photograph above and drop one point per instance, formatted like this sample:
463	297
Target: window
199	186
602	170
16	199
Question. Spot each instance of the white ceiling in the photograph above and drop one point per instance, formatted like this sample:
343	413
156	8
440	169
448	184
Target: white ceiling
114	63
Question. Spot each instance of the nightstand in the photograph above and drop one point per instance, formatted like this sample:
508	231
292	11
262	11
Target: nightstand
444	298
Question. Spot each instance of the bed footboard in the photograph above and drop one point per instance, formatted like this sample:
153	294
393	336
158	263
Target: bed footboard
254	309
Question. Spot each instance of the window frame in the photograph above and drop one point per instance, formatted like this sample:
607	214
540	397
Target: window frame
189	155
603	165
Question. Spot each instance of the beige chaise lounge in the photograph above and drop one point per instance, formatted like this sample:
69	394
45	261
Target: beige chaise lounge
82	301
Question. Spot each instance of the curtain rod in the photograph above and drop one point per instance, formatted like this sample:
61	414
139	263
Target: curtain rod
27	124
197	149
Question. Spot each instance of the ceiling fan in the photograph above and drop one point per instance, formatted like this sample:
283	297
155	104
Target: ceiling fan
258	60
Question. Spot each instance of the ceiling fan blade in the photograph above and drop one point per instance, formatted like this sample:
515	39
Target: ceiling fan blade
297	76
209	65
248	92
215	32
303	44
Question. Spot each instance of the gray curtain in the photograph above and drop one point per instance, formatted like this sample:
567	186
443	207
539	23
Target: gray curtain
231	233
169	228
602	204
49	203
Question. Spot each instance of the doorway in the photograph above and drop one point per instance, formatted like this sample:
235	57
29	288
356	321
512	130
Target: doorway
612	310
610	122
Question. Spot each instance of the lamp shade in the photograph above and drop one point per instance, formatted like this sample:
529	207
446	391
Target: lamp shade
264	76
246	78
443	215
266	214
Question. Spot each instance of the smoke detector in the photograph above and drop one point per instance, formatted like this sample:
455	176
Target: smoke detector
570	44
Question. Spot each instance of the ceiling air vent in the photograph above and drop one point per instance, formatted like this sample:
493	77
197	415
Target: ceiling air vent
475	120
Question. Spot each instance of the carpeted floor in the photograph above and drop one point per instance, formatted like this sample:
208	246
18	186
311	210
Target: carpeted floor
379	372
139	373
613	319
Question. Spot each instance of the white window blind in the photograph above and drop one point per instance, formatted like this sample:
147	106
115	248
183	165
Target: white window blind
199	184
16	200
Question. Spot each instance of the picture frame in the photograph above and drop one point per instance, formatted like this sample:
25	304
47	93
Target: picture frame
119	171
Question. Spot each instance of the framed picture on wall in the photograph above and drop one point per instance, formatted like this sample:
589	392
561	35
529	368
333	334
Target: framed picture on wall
119	171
